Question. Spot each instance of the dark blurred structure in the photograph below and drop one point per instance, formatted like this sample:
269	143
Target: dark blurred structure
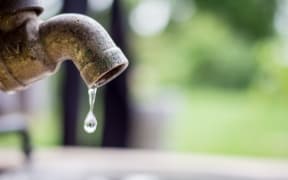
117	111
71	84
13	120
117	116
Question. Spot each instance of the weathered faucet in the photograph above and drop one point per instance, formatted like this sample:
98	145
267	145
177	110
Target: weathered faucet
31	49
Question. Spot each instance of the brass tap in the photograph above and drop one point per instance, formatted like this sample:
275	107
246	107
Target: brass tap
31	49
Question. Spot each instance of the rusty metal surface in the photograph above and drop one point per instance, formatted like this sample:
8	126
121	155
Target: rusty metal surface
11	21
13	6
31	49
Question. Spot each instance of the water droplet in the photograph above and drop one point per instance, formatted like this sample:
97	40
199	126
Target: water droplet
90	123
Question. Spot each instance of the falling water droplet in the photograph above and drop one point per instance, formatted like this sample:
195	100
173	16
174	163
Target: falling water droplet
90	123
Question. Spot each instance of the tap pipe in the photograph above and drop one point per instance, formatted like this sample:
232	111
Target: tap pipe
86	43
31	49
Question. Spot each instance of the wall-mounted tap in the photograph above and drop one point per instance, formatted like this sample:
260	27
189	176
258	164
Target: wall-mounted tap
31	49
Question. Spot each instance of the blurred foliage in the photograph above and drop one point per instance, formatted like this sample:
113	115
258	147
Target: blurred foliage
221	58
272	75
216	47
253	17
210	54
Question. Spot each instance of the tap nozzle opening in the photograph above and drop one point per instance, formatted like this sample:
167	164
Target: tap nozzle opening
110	75
102	71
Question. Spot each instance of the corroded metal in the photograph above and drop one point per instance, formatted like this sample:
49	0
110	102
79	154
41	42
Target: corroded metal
13	6
32	49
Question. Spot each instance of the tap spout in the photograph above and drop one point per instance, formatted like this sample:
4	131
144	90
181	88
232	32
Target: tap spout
31	49
84	41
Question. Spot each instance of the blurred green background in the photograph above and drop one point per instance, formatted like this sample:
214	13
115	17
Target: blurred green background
219	69
228	63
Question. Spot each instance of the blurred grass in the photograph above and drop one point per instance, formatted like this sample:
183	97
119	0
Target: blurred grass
212	121
232	122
